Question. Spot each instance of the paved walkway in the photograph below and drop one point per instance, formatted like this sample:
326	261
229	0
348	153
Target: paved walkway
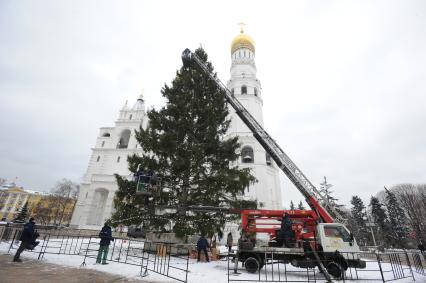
41	272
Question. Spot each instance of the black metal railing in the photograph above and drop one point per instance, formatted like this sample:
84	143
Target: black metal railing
166	259
280	267
172	260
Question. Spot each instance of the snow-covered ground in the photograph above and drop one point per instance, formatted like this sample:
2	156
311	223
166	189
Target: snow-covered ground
212	272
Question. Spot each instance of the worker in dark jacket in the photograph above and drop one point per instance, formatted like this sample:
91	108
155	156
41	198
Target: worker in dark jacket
286	231
27	239
140	172
229	242
106	238
202	245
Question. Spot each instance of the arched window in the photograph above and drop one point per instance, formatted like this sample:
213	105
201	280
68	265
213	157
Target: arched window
106	135
247	155
130	117
243	89
118	159
103	143
255	91
97	159
232	91
124	139
268	159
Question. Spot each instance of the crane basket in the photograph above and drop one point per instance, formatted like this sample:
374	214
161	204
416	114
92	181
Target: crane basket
146	183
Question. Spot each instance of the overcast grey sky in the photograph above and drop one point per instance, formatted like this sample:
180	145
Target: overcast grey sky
343	82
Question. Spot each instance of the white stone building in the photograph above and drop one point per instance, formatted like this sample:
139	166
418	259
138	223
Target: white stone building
246	87
114	144
109	157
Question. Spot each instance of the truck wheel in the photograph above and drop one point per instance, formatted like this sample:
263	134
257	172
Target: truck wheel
335	270
252	265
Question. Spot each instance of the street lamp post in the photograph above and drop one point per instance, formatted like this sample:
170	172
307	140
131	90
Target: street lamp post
370	224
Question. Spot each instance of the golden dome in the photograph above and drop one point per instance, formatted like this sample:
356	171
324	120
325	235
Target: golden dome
242	41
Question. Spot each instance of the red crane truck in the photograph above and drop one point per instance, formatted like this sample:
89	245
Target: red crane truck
320	236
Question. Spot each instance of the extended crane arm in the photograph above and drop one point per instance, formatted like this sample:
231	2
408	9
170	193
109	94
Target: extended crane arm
311	194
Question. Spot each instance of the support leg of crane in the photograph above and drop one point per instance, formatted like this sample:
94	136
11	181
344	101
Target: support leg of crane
144	273
321	267
236	263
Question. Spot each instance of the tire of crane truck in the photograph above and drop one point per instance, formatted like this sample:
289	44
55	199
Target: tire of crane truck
253	264
335	269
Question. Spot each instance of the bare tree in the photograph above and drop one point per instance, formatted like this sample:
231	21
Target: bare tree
42	213
64	192
2	181
327	193
325	190
412	199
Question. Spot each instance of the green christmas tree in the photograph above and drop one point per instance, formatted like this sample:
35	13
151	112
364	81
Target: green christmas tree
22	216
185	145
398	220
357	220
380	220
292	205
300	206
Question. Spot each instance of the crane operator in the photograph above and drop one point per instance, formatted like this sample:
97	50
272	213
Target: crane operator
286	232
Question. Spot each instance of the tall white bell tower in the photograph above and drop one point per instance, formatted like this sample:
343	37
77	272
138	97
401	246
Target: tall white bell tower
113	145
246	87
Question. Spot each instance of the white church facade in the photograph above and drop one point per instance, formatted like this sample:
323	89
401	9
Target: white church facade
109	157
114	144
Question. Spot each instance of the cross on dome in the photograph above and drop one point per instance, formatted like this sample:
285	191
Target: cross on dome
141	95
242	41
241	27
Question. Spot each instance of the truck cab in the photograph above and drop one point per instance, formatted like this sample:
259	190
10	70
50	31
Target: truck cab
336	237
335	240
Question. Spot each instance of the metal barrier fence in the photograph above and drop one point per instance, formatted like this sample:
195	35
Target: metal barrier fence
419	262
170	260
167	259
5	232
380	267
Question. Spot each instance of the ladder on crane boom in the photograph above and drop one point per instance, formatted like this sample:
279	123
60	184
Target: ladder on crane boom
296	176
